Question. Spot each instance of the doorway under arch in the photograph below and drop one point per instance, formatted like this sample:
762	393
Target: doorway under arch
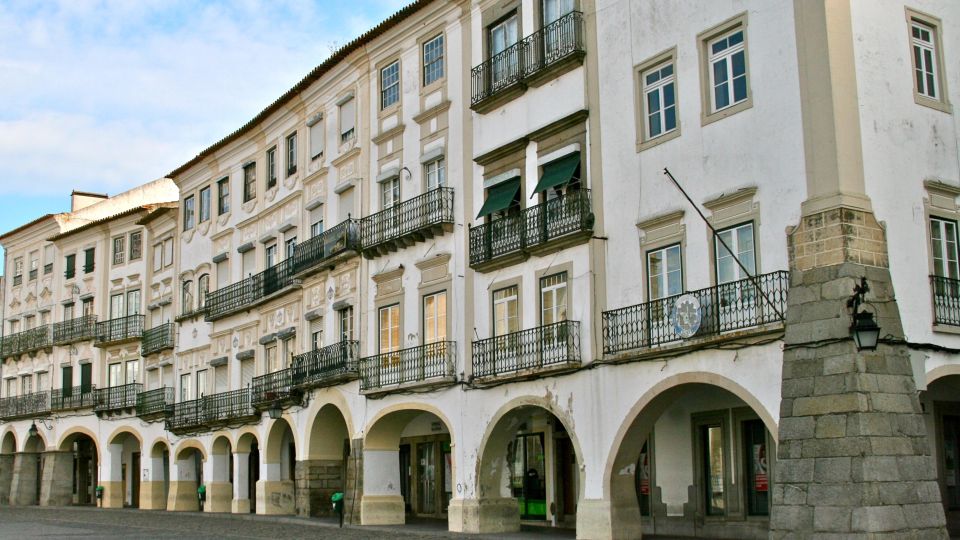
277	486
186	476
155	488
246	473
220	487
84	471
327	466
122	480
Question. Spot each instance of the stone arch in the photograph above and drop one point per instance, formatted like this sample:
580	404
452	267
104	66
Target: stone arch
125	430
158	446
380	433
9	442
940	372
187	444
220	485
325	456
35	443
120	471
326	432
74	433
245	438
275	434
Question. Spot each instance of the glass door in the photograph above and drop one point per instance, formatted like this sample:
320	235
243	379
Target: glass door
553	310
427	476
504	68
736	295
528	479
951	465
756	467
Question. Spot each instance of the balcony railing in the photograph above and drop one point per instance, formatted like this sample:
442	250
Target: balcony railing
27	341
946	300
408	366
35	404
342	238
413	220
116	398
723	308
564	217
76	329
77	397
324	366
528	57
243	294
544	347
272	387
157	339
215	409
120	329
154	402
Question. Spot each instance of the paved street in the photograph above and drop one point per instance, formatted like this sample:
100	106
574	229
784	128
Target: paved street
43	522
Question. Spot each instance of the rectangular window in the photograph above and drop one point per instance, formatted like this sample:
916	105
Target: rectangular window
27	384
923	40
390	85
223	273
116	306
664	272
502	36
188	210
201	383
553	298
348	113
42	382
659	100
115	374
316	222
119	250
133	302
48	256
435	317
12	387
67	312
436	172
249	182
87	306
316	138
290	247
291	153
389	328
34	265
727	66
390	193
158	257
272	363
712	466
18	268
167	252
740	240
70	266
271	255
133	371
433	60
506	311
186	393
316	334
271	167
248	263
943	237
204	204
136	245
186	297
88	260
346	323
756	467
223	196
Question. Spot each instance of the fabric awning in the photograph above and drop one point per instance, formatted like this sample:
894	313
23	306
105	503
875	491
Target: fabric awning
558	172
500	196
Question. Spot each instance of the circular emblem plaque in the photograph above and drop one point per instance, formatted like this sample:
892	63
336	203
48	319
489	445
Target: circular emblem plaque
686	316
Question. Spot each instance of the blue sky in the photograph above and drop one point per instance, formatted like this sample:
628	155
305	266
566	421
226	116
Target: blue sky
102	95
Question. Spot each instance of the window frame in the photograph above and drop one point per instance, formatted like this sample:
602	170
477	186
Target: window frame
89	260
203	287
656	62
189	209
291	153
554	288
223	196
956	239
349	134
646	265
271	166
704	39
393	85
498	288
204	212
389	308
438	325
440	169
717	247
249	182
119	247
391	186
935	25
438	60
135	254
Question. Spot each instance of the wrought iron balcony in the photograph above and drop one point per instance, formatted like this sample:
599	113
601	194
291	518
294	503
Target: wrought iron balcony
213	410
27	341
77	397
247	293
119	329
548	347
116	398
568	218
722	308
324	249
326	366
273	388
532	57
155	402
156	339
76	329
414	220
34	404
432	363
946	300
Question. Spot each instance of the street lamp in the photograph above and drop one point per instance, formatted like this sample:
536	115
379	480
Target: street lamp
275	411
865	331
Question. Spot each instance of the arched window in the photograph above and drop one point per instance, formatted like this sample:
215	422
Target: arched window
203	287
187	297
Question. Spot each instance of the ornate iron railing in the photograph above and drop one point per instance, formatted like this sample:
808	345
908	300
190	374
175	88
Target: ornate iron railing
220	408
120	329
542	347
946	300
76	397
157	339
344	237
319	366
26	341
76	329
271	387
156	401
529	56
186	414
722	308
532	227
418	214
116	397
242	294
34	404
403	366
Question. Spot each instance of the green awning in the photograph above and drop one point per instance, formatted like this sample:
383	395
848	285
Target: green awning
500	196
558	172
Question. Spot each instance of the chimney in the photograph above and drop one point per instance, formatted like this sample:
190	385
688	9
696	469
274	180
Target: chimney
83	199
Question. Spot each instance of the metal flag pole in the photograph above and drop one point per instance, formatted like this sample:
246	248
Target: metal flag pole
716	235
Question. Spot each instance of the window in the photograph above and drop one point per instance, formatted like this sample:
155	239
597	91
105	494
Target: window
186	297
436	173
553	298
136	245
223	196
501	36
249	182
290	247
272	363
87	305
17	270
659	100
203	287
554	39
27	384
42	381
664	272
70	265
389	328
186	393
433	60
756	467
167	252
133	371
14	327
435	317
555	9
68	312
390	192
115	374
116	306
316	137
48	259
271	255
158	257
727	67
943	237
248	263
205	204
271	167
119	250
506	307
740	240
11	387
316	334
390	85
188	210
88	259
34	265
927	63
133	302
316	222
291	153
201	382
712	478
348	113
29	322
346	323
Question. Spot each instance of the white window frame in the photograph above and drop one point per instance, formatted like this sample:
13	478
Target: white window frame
502	299
731	237
663	278
940	233
725	56
934	66
433	60
119	249
392	327
390	193
659	87
434	317
435	172
291	146
390	88
553	286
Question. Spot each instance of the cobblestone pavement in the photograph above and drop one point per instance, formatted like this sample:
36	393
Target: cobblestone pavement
75	522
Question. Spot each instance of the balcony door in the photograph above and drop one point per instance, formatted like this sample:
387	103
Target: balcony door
506	322
555	38
503	35
390	368
737	297
435	329
553	310
116	306
664	280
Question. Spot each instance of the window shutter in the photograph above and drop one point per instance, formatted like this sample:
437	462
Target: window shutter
316	139
348	113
